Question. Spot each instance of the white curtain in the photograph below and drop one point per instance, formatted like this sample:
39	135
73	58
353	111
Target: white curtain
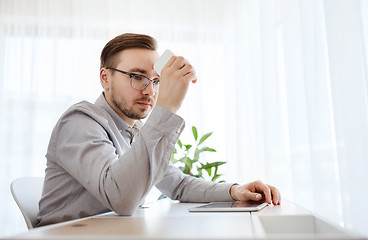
282	84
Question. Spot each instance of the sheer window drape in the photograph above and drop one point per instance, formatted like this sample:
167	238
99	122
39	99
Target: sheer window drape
282	84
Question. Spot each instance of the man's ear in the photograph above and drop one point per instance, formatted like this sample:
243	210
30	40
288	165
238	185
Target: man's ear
104	78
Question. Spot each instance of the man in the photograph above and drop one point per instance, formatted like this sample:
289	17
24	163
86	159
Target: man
101	158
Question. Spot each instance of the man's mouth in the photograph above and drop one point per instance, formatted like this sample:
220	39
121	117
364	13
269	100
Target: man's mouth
145	104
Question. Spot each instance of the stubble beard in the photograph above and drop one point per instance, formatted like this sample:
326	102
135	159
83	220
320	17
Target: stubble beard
129	112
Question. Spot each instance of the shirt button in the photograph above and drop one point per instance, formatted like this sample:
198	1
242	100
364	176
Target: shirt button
178	131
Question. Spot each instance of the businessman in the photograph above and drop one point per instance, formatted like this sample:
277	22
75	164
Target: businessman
102	158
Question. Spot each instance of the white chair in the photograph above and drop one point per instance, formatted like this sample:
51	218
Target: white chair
27	192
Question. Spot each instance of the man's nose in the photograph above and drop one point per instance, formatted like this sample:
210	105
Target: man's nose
149	90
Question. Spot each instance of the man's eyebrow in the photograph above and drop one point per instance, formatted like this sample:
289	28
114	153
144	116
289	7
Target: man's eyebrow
139	70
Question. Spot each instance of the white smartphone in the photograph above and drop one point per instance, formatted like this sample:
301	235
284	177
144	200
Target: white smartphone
161	62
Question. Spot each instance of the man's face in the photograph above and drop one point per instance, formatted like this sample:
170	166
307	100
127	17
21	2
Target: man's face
129	103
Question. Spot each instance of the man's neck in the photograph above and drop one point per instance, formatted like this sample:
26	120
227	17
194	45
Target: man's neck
126	119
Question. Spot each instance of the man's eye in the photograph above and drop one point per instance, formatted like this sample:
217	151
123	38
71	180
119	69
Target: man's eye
137	77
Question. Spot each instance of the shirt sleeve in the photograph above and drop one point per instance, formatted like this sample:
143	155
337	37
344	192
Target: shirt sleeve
84	146
179	186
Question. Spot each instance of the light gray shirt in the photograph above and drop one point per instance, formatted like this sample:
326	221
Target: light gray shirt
97	163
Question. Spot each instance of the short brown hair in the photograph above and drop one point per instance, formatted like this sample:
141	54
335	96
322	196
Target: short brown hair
122	42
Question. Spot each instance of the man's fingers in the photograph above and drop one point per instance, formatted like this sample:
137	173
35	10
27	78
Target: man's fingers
182	68
248	195
179	63
276	197
257	197
174	82
256	191
264	190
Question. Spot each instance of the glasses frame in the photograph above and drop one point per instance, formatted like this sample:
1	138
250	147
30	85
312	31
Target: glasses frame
131	75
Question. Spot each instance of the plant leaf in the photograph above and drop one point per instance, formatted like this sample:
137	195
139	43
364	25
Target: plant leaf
184	160
187	147
208	171
216	168
206	149
173	155
188	162
195	133
200	175
204	137
216	177
196	154
193	160
180	144
173	160
211	165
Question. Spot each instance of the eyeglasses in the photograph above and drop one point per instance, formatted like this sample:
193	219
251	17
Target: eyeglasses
137	81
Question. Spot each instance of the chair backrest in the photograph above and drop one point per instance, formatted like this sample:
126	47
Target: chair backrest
27	192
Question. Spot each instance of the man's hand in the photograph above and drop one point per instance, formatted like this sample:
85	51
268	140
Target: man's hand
174	82
256	191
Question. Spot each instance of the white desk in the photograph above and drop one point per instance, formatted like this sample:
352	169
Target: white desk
168	219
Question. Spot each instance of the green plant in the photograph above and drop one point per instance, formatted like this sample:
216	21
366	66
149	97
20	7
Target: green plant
187	156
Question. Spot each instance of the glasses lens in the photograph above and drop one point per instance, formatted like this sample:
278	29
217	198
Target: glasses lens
139	82
156	86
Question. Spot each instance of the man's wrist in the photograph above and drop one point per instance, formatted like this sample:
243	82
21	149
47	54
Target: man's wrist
232	191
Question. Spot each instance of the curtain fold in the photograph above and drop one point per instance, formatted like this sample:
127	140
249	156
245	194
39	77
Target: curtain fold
348	75
282	84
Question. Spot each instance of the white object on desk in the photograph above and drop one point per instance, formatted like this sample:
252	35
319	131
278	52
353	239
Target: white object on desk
230	207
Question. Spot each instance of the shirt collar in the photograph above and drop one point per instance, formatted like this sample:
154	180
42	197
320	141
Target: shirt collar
120	123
